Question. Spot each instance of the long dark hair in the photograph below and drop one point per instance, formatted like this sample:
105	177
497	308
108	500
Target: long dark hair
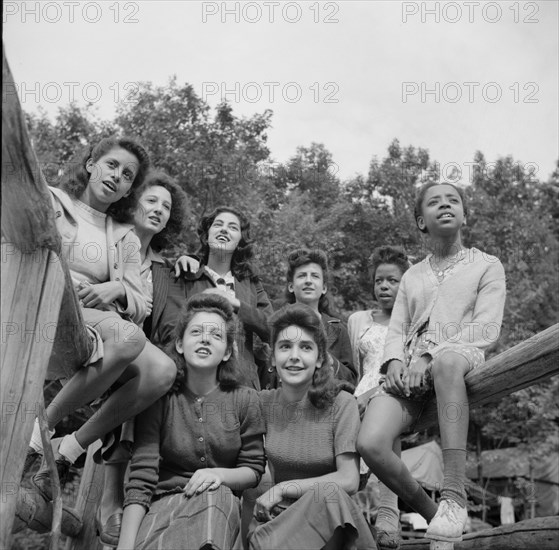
228	372
324	387
240	261
417	209
76	177
299	258
179	208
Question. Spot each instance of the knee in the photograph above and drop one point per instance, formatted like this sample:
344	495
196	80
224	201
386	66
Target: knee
449	368
371	446
162	374
128	341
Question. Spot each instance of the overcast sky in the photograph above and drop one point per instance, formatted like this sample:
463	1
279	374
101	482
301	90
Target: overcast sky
452	77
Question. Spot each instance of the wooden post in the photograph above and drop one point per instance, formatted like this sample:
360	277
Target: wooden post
32	287
89	495
33	283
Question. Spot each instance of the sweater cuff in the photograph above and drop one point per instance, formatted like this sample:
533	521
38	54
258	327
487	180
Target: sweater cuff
137	497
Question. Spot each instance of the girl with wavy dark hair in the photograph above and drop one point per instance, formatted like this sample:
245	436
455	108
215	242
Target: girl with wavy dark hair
197	446
103	256
307	283
311	435
226	253
159	219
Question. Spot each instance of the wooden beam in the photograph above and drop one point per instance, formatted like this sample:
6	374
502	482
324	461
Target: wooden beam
532	534
89	495
523	365
32	286
34	279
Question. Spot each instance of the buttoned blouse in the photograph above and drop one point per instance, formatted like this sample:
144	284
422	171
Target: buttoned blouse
182	433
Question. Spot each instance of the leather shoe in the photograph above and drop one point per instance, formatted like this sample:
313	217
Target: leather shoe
110	532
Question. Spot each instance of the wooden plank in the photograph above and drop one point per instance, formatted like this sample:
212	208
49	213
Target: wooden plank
89	495
27	219
30	309
532	534
521	366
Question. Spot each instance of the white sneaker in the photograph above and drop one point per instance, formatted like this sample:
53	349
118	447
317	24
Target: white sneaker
448	523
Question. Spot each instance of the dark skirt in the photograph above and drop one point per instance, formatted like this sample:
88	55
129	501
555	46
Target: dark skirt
309	523
209	520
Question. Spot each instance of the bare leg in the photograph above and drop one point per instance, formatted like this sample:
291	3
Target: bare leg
449	370
123	342
149	377
386	418
112	497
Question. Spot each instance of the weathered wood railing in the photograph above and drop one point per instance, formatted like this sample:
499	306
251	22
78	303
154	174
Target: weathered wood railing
37	296
39	337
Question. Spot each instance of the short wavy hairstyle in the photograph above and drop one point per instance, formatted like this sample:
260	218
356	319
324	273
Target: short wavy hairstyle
417	209
76	177
388	255
299	258
228	372
241	266
179	208
324	387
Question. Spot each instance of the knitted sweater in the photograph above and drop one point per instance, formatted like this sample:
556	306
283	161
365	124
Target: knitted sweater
303	441
181	433
466	308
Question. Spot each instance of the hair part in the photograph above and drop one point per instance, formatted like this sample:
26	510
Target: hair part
179	208
76	177
324	388
418	207
241	266
301	257
228	371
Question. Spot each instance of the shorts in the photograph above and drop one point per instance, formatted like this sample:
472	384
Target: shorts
473	355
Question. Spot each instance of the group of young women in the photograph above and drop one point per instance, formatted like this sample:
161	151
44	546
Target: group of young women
202	389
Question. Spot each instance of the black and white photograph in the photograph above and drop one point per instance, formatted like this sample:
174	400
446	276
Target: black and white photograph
280	275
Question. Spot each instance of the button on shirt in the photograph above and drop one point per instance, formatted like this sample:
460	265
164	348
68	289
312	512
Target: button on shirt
225	282
182	433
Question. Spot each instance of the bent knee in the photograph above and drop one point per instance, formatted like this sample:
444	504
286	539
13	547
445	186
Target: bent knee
162	374
372	445
450	366
126	339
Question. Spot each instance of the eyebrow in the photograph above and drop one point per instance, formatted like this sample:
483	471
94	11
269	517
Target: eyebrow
449	194
294	340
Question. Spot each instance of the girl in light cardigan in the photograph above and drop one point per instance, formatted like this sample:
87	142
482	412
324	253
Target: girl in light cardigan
448	310
103	255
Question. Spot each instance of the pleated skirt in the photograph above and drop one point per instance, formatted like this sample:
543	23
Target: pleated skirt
309	524
210	520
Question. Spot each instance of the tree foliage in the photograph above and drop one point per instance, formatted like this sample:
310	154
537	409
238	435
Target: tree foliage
221	158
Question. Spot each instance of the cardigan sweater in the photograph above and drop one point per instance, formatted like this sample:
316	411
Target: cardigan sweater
465	308
124	253
181	433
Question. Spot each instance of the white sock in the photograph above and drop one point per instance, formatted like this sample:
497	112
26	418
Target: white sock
36	442
70	448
